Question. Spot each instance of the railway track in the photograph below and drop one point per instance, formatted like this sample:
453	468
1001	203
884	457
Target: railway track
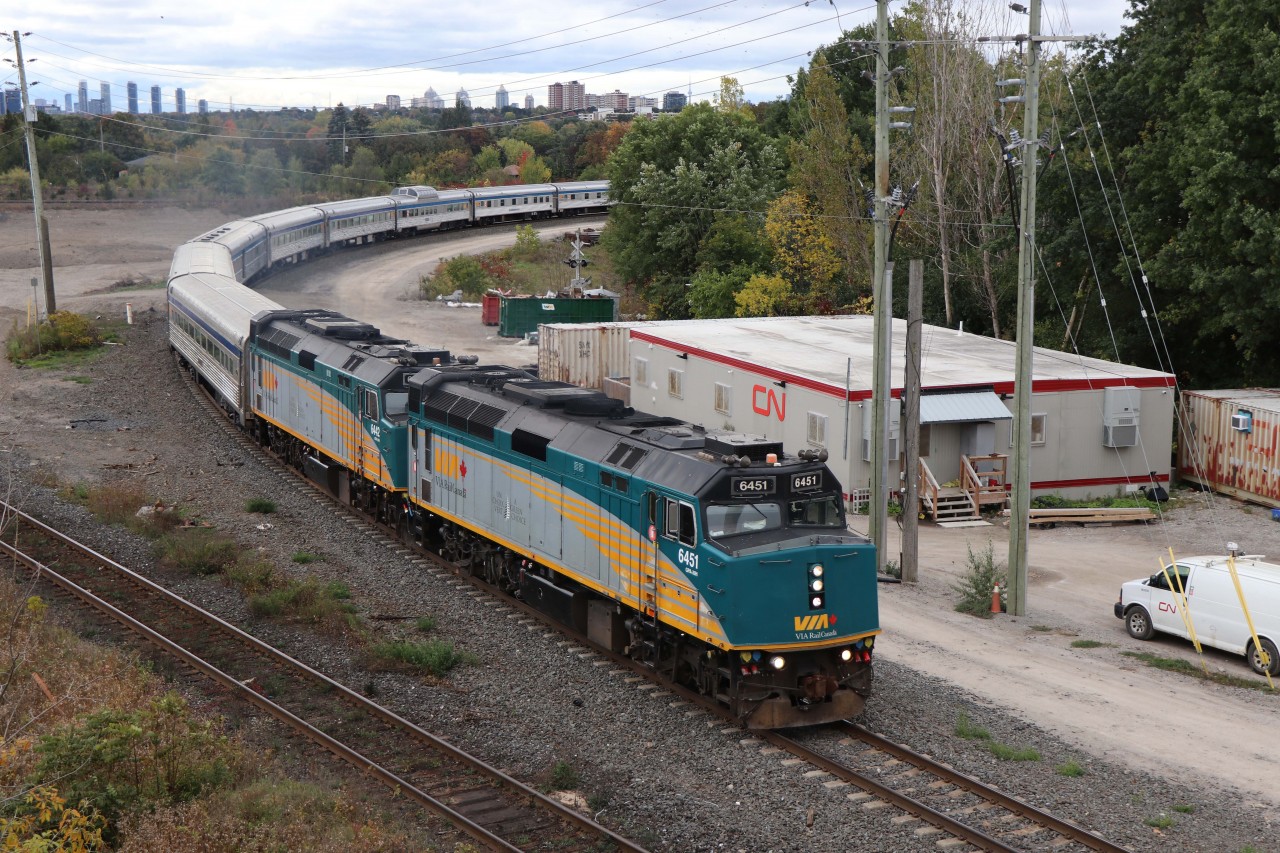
478	800
950	804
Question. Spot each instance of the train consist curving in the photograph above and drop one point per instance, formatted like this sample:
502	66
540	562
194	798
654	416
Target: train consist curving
714	557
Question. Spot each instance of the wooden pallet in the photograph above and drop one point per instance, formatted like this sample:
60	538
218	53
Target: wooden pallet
1088	515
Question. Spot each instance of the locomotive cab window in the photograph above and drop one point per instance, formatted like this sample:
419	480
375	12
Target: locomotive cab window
370	404
397	403
724	520
679	522
818	511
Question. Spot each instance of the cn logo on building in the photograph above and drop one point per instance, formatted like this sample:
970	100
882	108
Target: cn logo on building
766	401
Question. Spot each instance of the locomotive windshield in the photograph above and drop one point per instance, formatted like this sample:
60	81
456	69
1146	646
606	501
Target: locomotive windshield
817	512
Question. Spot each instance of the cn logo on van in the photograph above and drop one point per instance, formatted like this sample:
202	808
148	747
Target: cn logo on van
764	401
1166	607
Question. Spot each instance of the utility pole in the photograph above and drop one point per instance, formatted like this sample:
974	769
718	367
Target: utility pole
37	197
880	389
1020	499
911	425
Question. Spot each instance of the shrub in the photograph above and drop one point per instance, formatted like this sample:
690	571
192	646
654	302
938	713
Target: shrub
63	331
1070	768
115	503
527	242
425	624
252	576
433	656
197	550
1009	753
119	761
978	582
262	505
303	557
564	777
322	605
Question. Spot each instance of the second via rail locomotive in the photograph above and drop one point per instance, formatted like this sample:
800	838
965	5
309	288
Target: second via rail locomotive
713	557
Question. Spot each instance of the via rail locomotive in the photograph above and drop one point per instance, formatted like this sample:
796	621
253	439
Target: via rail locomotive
713	557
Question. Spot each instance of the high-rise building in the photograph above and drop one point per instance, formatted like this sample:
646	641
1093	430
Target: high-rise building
82	99
528	102
393	102
674	102
180	101
12	100
638	102
203	107
155	100
566	97
431	100
68	103
104	94
462	99
133	98
501	100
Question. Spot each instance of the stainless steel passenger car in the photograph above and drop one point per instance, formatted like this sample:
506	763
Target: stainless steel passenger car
293	233
247	242
423	208
582	197
519	201
359	219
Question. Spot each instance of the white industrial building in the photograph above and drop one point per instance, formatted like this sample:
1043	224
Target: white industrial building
1098	428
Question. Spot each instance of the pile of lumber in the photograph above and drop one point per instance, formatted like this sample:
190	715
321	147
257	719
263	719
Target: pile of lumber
1088	515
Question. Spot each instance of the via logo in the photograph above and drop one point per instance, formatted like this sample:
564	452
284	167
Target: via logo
450	465
765	401
814	622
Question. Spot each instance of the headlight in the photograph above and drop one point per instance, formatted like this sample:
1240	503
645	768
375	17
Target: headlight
777	661
816	571
846	655
817	601
816	586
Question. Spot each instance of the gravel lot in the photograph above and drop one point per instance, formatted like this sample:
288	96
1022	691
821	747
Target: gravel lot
660	774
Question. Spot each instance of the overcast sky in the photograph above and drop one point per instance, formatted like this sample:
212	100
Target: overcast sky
272	53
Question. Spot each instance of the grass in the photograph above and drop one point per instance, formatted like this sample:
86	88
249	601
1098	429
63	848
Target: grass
199	551
425	624
252	577
1009	753
1042	629
1191	670
1071	769
80	380
303	557
435	657
1184	809
969	731
564	777
1088	644
261	505
323	605
1161	822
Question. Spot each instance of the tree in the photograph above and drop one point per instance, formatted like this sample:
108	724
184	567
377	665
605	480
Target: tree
674	179
337	134
732	99
802	253
223	173
265	171
763	295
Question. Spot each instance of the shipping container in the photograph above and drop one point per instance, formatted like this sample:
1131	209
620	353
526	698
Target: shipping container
523	314
1230	440
583	354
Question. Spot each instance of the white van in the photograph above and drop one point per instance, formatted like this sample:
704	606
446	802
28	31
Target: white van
1148	605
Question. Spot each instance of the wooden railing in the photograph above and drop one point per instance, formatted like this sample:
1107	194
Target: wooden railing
984	478
928	488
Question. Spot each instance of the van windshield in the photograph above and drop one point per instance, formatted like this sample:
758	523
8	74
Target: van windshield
1178	574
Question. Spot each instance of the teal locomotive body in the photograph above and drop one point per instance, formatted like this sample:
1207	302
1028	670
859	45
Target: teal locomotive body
713	557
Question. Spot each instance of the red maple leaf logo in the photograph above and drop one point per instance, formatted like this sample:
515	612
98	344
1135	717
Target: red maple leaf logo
462	469
833	619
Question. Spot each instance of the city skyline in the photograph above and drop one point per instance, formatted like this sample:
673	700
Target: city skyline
358	56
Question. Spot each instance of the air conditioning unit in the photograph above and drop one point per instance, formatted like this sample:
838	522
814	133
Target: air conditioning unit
1242	422
1119	435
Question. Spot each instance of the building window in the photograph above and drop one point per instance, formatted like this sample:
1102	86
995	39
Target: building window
1037	430
724	398
641	371
817	429
675	383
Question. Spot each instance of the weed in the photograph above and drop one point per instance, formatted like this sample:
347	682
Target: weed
433	656
253	577
80	380
1042	629
893	569
307	601
1160	821
1071	768
1184	809
970	731
53	342
197	550
1009	753
1189	669
425	624
1088	644
262	505
975	587
302	557
564	777
117	503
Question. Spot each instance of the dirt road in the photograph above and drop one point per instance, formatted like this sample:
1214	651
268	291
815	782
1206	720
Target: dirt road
1108	704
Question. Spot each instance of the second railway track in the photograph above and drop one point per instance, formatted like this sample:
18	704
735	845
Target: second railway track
481	801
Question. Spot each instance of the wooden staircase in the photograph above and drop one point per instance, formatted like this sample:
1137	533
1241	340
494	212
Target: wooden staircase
982	487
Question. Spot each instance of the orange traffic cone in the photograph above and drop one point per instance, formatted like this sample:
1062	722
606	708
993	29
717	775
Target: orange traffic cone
995	601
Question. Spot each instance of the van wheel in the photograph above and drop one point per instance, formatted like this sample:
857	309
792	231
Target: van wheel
1138	622
1255	659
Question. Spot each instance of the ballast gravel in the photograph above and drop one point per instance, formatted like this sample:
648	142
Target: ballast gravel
650	767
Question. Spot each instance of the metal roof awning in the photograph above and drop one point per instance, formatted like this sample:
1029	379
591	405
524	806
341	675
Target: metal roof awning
963	408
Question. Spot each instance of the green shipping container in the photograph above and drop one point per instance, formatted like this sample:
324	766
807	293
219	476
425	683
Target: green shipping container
521	314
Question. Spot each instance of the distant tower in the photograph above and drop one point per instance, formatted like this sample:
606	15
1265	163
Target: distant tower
462	99
501	100
180	100
82	100
434	101
393	102
203	107
528	102
133	98
70	107
155	100
104	93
